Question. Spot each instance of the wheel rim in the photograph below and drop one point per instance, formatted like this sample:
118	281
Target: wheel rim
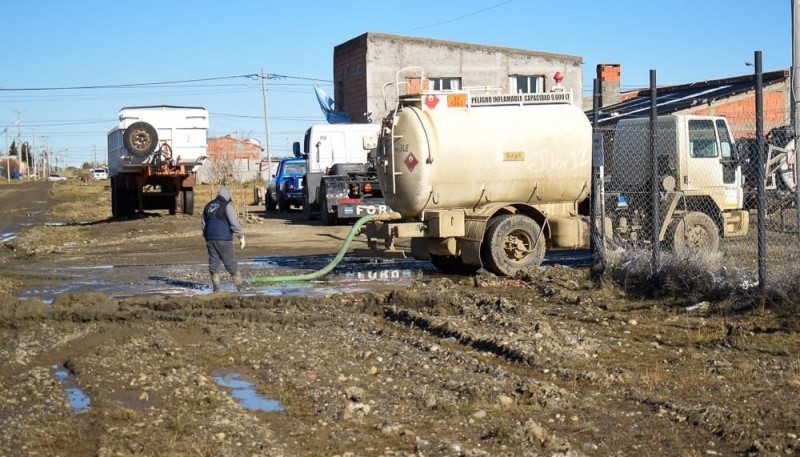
140	139
517	245
697	236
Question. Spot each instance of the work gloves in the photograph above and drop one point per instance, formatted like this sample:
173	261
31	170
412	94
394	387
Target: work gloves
241	242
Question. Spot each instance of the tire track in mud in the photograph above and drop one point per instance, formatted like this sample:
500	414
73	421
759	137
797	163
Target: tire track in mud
733	428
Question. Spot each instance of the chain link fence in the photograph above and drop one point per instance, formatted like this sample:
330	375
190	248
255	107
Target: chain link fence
693	205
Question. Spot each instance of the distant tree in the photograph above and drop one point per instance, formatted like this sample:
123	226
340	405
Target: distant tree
12	151
86	165
26	155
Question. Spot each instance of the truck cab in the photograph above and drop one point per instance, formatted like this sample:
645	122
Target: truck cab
699	173
339	183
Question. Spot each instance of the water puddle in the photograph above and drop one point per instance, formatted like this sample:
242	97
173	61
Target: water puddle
244	394
353	274
76	397
65	224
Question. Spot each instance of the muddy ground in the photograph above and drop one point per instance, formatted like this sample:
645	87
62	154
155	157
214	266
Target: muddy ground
113	345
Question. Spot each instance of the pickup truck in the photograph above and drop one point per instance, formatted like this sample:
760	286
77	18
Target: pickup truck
286	187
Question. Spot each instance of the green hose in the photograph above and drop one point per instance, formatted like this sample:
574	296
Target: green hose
342	251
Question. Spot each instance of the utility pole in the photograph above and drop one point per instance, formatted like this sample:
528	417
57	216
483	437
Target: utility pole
795	73
8	156
266	124
32	153
46	160
19	139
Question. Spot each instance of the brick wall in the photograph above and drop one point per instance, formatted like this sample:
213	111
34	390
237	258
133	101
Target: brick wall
233	148
741	111
350	78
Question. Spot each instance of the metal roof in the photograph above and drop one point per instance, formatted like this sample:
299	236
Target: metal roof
672	99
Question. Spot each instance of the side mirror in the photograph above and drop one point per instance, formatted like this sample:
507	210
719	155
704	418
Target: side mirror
296	149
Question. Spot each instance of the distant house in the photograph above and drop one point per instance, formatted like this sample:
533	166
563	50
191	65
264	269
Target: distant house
732	97
231	158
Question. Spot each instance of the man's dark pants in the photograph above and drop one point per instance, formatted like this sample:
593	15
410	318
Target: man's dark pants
221	252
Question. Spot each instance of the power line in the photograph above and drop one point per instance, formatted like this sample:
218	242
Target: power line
462	16
251	76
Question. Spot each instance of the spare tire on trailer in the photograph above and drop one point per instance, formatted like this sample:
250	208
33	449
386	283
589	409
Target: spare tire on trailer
140	139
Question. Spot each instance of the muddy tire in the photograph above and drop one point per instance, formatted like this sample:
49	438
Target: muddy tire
271	204
188	201
512	243
452	265
140	139
694	233
327	217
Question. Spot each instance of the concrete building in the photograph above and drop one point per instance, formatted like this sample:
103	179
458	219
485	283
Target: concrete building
365	70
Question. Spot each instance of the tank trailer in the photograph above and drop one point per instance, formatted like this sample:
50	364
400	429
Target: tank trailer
153	156
481	179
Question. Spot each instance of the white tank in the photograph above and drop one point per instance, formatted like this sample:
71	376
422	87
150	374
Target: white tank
458	157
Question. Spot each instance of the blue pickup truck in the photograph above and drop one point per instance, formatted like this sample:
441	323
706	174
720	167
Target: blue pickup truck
286	187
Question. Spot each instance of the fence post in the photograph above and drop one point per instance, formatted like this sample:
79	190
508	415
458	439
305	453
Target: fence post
598	200
655	181
762	195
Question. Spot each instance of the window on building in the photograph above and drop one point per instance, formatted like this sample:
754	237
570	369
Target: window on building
524	84
445	83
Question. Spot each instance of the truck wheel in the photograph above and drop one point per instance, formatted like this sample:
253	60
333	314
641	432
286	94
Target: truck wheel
452	265
271	204
283	205
326	216
693	233
512	243
307	213
188	201
140	139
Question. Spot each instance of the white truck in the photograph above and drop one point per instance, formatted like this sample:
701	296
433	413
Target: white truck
340	183
482	179
153	156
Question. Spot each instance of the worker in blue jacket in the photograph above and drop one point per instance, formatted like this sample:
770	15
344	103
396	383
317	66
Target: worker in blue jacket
220	222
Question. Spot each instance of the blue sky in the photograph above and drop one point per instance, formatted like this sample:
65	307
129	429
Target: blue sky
53	44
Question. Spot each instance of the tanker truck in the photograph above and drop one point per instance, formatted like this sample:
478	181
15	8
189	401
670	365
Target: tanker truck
153	157
481	179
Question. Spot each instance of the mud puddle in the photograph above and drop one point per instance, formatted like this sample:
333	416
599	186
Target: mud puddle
243	392
353	274
76	397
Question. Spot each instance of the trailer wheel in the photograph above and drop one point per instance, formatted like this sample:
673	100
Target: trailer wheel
452	265
512	243
140	139
693	233
188	201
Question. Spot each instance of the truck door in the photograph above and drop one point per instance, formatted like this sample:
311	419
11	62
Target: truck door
331	148
731	169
